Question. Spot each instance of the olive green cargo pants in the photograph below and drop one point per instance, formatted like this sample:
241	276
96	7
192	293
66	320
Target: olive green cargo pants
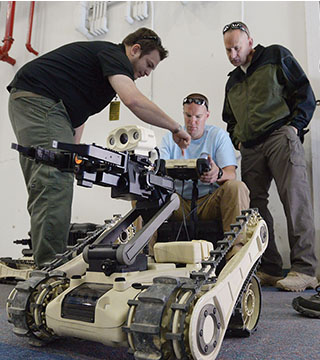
37	121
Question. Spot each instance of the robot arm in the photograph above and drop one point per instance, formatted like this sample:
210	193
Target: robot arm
131	177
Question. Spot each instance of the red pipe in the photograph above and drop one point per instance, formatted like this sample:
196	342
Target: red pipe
8	39
28	44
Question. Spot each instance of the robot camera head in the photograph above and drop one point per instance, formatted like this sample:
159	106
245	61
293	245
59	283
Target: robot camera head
132	138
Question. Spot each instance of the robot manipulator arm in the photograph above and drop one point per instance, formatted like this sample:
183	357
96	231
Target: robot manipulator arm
108	257
131	177
88	162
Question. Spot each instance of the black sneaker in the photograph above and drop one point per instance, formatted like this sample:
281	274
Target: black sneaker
308	306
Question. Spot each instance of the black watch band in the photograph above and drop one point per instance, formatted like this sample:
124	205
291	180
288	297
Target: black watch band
220	173
175	131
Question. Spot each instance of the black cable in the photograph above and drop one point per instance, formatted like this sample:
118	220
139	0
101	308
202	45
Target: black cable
201	203
187	216
183	217
157	160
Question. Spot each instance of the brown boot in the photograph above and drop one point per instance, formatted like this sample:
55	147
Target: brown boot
268	280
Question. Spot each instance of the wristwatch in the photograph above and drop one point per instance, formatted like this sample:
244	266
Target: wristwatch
175	131
220	173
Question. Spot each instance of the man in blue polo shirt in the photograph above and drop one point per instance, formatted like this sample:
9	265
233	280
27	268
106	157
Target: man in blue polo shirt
220	196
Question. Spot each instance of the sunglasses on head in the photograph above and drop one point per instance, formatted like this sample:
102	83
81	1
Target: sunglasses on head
197	101
235	26
152	37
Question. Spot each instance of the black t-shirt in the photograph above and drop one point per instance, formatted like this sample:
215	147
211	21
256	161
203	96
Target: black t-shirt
77	74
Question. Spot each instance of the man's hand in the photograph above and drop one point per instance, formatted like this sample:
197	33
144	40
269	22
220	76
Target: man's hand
182	139
229	173
212	175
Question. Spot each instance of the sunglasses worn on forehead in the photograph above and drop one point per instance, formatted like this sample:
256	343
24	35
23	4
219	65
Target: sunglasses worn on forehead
235	26
197	101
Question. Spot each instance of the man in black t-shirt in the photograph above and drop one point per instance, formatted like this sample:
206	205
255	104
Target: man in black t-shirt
51	98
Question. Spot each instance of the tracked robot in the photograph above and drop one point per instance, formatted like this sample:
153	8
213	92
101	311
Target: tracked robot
169	306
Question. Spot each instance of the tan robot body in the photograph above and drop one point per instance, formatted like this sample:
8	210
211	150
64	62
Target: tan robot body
111	308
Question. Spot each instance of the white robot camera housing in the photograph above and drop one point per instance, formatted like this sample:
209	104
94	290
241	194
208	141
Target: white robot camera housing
132	138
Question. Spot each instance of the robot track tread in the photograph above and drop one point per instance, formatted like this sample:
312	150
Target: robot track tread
159	319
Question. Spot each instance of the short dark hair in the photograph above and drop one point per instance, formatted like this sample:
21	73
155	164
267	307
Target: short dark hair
148	40
198	96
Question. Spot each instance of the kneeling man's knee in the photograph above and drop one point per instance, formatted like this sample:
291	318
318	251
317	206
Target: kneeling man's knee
236	186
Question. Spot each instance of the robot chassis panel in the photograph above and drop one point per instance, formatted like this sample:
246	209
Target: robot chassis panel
117	295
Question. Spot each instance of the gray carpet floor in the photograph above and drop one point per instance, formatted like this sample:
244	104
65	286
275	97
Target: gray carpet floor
282	334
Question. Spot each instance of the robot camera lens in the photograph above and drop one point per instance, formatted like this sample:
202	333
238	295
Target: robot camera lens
123	138
111	141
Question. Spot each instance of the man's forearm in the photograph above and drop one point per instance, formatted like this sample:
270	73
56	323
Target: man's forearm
149	112
140	105
229	173
301	99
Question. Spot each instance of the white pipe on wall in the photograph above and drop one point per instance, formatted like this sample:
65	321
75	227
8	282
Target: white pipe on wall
242	11
128	16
